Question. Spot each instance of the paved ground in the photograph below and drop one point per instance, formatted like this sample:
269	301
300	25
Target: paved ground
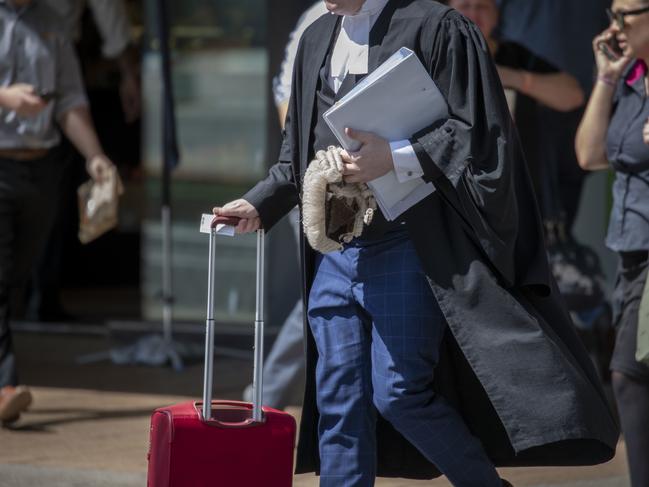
89	427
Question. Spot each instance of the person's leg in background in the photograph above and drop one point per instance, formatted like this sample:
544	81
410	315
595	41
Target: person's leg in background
44	298
8	179
28	192
285	365
630	378
632	398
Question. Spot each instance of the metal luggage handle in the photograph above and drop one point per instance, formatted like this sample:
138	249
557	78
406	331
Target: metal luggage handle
257	382
237	409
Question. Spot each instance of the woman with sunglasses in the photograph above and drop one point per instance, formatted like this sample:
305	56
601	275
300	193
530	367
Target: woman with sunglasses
614	133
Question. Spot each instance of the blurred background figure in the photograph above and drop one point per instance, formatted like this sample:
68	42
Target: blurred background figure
282	82
284	367
541	61
611	135
114	27
41	94
111	20
541	88
558	35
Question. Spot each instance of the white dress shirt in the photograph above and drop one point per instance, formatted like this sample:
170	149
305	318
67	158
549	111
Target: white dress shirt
351	56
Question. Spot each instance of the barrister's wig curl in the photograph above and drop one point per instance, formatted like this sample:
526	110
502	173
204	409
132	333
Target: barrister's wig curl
333	212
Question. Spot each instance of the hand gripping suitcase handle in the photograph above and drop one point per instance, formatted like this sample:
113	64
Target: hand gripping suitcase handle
226	220
257	415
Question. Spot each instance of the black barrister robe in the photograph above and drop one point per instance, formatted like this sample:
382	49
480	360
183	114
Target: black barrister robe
512	364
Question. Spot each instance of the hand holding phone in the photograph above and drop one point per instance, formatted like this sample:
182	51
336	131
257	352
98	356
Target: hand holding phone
610	58
23	99
48	96
610	48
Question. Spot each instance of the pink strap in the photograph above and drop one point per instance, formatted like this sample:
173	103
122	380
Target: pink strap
638	70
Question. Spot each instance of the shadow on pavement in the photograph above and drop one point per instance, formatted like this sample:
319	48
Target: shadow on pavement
75	416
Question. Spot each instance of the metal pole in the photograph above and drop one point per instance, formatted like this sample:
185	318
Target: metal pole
209	332
170	159
167	283
257	383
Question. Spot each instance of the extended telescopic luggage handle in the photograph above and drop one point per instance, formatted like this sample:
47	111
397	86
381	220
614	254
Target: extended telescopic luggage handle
257	385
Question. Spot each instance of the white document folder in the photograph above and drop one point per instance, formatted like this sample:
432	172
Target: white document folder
395	101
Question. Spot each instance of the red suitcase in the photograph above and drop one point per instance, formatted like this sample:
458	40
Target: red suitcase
240	444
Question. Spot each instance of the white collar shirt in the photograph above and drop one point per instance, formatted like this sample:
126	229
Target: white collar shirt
351	56
351	52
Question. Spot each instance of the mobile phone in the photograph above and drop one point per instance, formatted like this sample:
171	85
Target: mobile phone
610	48
48	95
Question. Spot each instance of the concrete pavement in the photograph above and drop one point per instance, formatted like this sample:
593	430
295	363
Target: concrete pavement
88	428
89	438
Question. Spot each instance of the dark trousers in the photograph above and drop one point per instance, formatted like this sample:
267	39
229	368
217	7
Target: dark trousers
43	300
630	377
28	197
378	331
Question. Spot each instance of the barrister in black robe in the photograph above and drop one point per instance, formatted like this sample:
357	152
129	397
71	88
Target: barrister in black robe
512	364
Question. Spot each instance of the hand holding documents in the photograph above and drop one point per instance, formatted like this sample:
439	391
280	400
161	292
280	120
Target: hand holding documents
98	206
394	101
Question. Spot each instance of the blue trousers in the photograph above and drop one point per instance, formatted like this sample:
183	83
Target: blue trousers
378	332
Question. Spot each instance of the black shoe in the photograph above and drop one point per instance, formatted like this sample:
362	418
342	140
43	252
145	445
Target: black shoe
506	484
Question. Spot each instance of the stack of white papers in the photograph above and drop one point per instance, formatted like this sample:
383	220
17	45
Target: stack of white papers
394	101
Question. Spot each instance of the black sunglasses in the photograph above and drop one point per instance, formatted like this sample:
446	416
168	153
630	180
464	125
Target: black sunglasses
618	17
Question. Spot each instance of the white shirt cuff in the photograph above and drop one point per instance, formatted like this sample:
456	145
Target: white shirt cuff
406	163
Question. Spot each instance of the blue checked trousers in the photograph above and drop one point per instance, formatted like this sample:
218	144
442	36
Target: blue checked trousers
378	331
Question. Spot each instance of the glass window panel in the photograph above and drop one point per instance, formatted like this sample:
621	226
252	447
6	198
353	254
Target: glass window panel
220	74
